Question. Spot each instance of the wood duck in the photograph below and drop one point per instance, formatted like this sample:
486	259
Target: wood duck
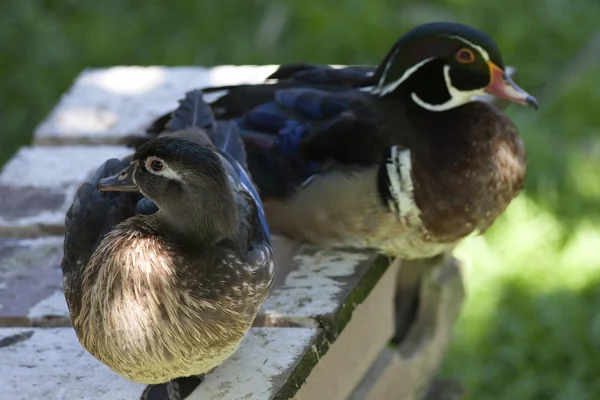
167	254
398	157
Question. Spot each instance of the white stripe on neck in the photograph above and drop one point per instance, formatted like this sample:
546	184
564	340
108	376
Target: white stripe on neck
382	89
401	186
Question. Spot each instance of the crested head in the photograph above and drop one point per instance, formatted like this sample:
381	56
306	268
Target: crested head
443	65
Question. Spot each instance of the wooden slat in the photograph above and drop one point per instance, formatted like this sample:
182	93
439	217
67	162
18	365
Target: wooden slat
50	364
405	373
38	183
105	106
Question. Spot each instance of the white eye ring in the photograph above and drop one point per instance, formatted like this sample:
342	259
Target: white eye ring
158	167
155	165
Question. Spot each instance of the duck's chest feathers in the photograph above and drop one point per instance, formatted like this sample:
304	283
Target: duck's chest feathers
145	302
467	173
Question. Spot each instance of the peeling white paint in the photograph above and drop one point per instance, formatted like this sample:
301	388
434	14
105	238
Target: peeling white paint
50	241
55	167
46	218
52	365
312	288
105	105
54	306
251	372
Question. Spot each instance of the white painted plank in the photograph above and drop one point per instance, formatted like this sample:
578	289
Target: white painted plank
106	105
38	184
52	365
260	367
31	282
315	284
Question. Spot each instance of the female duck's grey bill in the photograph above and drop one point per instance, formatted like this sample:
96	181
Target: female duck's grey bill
121	182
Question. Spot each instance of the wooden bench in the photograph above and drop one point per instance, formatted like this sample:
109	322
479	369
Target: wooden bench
322	334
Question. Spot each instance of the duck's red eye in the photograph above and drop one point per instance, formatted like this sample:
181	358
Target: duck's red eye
155	165
465	56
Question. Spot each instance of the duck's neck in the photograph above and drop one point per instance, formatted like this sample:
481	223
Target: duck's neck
204	218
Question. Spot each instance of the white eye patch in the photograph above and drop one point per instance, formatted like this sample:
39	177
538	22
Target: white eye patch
158	167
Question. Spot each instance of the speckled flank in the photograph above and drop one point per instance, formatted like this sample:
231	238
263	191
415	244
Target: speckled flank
107	105
249	374
312	288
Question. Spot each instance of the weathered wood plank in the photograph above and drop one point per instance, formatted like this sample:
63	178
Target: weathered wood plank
331	290
314	288
50	364
357	345
317	287
38	184
31	283
405	373
106	106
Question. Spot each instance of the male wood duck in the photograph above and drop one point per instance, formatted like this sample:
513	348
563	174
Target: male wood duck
167	255
398	157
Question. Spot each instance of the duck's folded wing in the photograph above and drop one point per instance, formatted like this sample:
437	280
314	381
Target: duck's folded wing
257	268
314	126
253	206
92	214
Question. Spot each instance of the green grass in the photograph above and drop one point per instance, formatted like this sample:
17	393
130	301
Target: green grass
531	326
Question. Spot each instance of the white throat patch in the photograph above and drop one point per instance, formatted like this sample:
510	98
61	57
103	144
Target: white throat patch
457	97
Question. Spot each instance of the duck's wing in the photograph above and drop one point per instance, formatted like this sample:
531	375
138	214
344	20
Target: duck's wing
303	130
92	214
235	100
255	264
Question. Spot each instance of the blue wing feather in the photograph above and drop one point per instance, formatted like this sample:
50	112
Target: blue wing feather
243	178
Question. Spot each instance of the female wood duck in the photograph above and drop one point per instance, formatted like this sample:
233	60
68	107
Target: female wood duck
399	158
168	259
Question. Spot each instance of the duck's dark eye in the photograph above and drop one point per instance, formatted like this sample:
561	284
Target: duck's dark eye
155	165
465	56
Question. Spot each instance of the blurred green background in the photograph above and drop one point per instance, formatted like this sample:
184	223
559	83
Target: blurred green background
531	326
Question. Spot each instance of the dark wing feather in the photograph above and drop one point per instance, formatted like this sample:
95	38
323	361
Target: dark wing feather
296	134
192	112
244	184
92	214
257	266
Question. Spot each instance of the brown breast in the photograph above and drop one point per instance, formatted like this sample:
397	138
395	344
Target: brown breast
468	168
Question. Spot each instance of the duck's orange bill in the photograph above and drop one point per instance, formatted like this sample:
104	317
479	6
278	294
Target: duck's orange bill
503	86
